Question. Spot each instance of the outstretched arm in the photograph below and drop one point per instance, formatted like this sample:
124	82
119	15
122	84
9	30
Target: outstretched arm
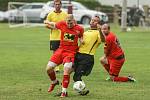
102	36
50	25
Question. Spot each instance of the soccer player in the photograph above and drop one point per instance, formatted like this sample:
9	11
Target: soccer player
114	57
84	59
70	34
56	16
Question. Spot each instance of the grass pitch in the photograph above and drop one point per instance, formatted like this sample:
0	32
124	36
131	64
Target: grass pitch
24	53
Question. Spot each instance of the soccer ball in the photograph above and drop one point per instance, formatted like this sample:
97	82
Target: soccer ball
128	29
79	86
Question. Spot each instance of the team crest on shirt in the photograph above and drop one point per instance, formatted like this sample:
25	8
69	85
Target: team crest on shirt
69	37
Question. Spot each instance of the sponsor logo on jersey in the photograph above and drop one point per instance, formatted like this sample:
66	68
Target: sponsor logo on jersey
69	37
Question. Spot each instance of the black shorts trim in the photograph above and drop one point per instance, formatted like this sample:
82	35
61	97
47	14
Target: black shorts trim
54	45
120	57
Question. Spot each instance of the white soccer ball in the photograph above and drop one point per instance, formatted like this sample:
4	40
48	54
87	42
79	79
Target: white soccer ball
128	29
79	86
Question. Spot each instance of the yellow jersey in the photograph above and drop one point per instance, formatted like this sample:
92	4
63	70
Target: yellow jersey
56	17
91	40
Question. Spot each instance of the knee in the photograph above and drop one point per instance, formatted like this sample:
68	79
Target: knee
50	66
68	68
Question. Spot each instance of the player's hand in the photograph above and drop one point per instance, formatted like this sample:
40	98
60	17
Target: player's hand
98	26
81	41
104	59
46	22
50	25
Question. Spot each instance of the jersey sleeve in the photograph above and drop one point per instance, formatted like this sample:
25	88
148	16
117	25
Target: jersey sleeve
48	17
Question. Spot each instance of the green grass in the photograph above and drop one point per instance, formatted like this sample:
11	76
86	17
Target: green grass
24	53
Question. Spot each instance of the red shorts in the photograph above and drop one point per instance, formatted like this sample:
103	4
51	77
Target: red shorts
62	56
115	66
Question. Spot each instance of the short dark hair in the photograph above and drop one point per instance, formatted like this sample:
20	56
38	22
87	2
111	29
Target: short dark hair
107	25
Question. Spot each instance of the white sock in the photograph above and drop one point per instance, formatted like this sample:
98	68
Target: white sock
53	82
64	90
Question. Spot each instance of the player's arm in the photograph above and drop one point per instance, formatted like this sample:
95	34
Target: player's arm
81	31
102	36
105	50
107	47
50	25
99	40
81	41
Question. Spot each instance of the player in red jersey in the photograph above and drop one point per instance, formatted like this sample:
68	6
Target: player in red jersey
70	33
114	58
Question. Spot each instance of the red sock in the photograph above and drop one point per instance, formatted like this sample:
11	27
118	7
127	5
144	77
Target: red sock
52	75
120	79
66	80
107	67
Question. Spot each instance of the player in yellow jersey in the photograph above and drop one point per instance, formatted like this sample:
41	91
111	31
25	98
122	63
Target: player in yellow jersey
56	16
84	59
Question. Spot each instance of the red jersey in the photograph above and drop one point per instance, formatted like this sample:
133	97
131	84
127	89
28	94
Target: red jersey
112	48
69	36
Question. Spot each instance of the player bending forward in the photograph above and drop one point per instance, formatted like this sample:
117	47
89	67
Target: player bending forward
84	59
70	33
